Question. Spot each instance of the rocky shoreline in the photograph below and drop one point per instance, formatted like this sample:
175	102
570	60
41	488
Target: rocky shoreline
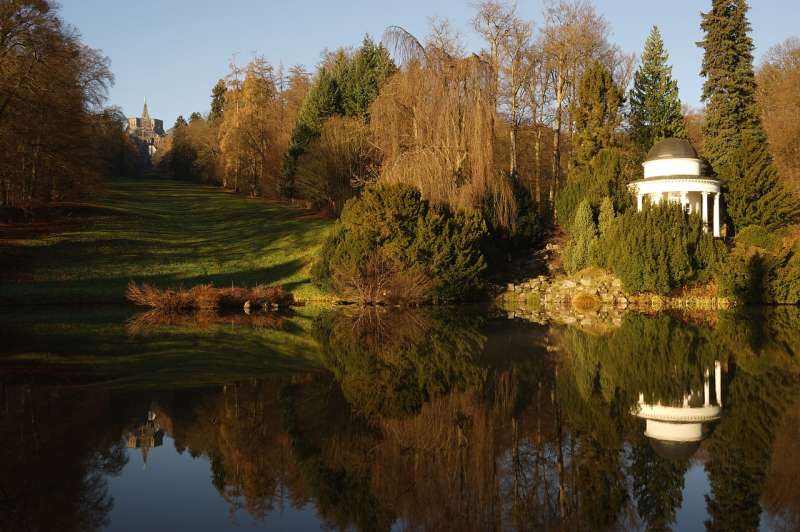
597	298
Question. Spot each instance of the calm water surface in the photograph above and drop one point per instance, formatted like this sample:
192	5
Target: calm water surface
446	419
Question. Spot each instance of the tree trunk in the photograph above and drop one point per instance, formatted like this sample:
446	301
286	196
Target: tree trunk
555	182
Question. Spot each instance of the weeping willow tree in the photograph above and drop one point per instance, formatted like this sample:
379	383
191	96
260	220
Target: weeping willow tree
433	124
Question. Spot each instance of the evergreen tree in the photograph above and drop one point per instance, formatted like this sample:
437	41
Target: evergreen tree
584	239
655	112
195	116
735	142
657	486
596	112
755	195
730	85
217	100
345	87
180	122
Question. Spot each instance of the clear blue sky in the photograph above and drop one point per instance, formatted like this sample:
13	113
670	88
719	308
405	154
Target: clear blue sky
173	51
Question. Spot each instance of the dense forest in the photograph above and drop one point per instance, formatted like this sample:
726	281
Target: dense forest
532	138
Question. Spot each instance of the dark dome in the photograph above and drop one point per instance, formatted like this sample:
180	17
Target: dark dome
675	451
671	149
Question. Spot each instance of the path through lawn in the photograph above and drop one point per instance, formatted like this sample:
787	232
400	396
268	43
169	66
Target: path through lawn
167	233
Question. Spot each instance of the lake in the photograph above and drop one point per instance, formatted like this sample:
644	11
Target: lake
432	419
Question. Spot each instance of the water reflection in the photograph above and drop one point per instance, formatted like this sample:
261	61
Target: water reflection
435	420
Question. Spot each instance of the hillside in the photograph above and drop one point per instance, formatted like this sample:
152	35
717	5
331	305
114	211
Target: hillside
163	232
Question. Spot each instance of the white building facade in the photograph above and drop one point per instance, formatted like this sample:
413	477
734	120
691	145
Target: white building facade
673	172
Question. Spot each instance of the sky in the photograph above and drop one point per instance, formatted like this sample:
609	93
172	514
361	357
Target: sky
172	52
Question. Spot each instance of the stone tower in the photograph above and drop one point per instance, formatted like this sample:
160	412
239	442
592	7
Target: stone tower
146	132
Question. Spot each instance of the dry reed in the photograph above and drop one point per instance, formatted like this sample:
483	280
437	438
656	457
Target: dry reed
208	297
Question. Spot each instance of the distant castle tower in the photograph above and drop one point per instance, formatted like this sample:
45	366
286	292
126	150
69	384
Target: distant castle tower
146	132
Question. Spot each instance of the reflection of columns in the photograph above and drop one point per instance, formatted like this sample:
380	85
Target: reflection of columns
706	398
639	202
716	214
718	381
705	211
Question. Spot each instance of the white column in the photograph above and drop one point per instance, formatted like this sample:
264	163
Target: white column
716	215
705	211
718	381
684	200
639	202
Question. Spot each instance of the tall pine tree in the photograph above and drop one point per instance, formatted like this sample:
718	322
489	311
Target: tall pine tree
729	90
655	112
735	142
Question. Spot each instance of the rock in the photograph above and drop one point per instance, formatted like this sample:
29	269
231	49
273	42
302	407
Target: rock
510	287
616	283
586	282
568	284
246	307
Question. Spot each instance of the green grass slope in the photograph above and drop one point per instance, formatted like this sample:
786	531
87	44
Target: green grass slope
162	232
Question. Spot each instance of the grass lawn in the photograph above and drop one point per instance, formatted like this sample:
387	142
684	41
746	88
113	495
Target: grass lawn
163	232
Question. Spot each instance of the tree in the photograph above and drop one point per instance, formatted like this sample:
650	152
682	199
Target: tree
755	195
655	108
180	122
596	112
584	239
729	90
573	35
217	101
509	39
345	86
52	91
779	101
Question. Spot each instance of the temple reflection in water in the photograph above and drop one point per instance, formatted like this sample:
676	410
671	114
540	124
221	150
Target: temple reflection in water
675	430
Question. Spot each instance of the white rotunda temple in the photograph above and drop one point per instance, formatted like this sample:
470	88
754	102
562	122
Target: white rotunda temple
674	172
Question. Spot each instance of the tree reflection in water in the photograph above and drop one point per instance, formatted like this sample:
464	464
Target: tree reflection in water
441	420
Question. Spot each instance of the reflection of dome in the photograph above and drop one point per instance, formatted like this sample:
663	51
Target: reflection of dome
671	149
676	451
675	432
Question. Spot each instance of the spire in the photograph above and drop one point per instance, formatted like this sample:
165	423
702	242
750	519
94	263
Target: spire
145	114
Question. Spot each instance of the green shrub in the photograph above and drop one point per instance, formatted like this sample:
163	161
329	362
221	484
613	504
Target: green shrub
397	223
583	243
757	235
784	277
657	249
767	273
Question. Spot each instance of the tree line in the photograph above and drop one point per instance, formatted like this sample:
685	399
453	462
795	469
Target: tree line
57	141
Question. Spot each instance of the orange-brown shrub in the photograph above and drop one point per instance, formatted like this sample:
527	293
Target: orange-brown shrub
207	297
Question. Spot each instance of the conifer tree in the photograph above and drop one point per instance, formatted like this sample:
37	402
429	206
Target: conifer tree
217	101
345	87
655	112
584	239
755	195
596	112
729	90
735	142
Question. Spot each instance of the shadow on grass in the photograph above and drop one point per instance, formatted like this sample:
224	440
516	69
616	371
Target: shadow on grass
163	233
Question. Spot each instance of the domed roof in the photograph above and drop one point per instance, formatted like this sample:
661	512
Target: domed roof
676	451
671	149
